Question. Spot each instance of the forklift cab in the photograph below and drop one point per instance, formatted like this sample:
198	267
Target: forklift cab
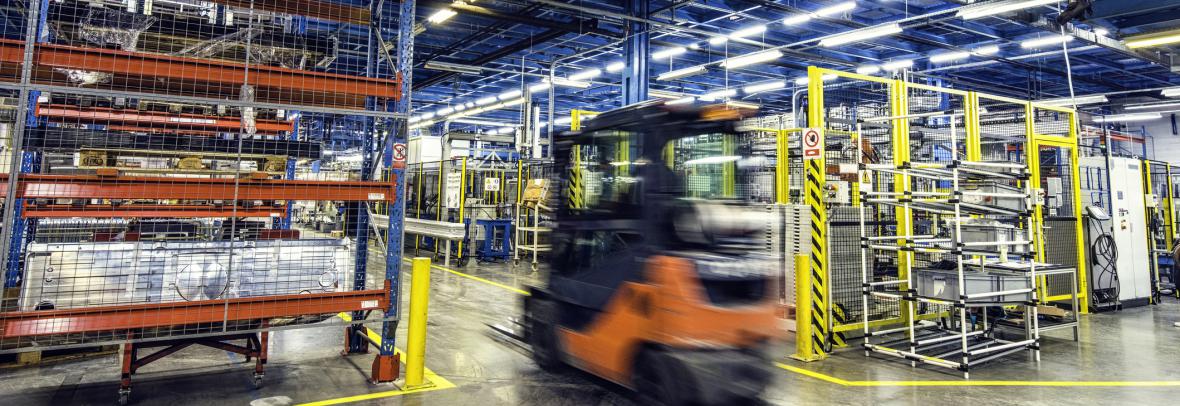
656	281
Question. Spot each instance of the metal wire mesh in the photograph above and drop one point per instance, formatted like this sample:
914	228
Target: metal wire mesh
190	168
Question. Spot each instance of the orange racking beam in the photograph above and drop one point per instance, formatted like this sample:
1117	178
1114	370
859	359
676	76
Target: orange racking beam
154	121
144	71
149	315
148	211
310	8
37	186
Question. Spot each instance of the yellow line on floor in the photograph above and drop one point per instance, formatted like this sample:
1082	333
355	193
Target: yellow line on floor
439	382
478	279
844	382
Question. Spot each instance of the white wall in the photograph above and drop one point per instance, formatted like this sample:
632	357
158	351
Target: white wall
1162	144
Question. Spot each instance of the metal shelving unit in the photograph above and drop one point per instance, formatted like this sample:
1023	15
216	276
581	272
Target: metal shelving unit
966	263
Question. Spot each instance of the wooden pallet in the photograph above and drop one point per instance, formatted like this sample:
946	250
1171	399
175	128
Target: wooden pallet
23	359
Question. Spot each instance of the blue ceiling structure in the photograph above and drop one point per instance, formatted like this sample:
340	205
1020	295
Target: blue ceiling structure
514	43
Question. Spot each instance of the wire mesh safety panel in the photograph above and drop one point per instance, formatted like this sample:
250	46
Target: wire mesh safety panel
190	168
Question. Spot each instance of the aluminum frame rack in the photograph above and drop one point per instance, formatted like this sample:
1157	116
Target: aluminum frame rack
963	342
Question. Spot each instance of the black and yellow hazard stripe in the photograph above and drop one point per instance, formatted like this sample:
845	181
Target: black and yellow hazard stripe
814	197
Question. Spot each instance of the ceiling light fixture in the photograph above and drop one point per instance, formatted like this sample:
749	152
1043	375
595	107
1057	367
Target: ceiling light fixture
861	35
797	19
615	67
993	8
896	65
751	59
453	67
1076	100
1050	40
1129	117
442	15
718	40
509	94
836	9
718	94
986	50
868	69
747	32
949	56
1152	40
683	100
668	52
763	87
1153	106
680	73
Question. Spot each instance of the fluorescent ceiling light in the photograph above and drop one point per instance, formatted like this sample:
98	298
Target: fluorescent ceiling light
680	73
445	111
717	94
1144	41
986	50
668	52
797	19
1078	100
742	104
1173	92
1050	40
1129	117
949	56
1153	106
803	80
485	101
751	59
474	121
441	15
836	9
1101	31
713	160
683	100
459	107
570	83
509	94
453	67
586	74
563	121
993	8
867	69
895	65
748	31
718	40
426	116
762	87
469	104
615	67
861	35
539	87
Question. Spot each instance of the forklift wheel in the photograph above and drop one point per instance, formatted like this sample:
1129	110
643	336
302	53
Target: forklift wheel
543	335
658	382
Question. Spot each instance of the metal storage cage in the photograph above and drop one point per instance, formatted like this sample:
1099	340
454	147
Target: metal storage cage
200	172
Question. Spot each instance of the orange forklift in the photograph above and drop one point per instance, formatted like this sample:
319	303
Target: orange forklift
658	279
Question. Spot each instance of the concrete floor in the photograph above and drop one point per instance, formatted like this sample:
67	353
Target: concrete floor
1132	353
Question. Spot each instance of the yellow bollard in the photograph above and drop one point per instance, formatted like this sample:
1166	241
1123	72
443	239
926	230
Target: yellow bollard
804	346
416	342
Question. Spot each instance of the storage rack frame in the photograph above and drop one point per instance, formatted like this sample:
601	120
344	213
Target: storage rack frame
381	93
975	346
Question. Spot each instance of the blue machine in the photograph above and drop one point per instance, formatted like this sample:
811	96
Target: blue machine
496	244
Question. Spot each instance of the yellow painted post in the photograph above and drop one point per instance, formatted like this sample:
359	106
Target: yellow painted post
1152	262
782	169
974	133
815	186
729	170
808	345
1079	234
416	336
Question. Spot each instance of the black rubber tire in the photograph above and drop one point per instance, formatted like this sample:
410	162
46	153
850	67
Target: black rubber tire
543	335
657	381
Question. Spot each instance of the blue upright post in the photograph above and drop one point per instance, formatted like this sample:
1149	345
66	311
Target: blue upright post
635	75
393	253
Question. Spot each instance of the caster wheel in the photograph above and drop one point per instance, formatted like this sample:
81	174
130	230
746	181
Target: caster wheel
257	381
124	397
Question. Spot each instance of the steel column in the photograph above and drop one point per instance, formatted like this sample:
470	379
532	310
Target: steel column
635	75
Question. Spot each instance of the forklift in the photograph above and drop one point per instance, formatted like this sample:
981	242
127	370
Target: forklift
657	279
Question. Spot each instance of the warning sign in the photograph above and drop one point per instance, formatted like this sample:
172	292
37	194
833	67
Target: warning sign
811	143
491	184
399	152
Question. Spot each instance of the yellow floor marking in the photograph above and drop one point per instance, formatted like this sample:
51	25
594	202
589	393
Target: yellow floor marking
844	382
439	382
476	278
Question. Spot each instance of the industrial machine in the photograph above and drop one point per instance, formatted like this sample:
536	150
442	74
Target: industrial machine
655	281
1120	259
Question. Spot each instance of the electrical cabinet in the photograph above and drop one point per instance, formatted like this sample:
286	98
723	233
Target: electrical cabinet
1127	225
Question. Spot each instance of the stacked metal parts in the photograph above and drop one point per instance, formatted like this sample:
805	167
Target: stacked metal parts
965	250
194	172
